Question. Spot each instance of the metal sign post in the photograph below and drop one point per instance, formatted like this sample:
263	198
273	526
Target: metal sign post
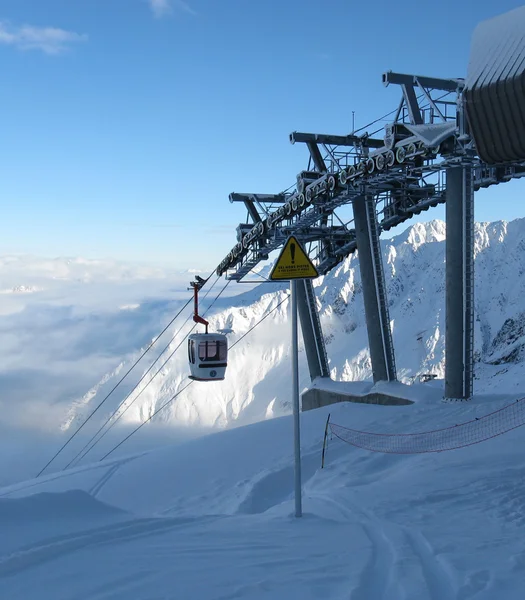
295	400
293	264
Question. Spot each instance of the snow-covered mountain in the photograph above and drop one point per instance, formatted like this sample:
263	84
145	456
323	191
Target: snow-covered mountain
257	384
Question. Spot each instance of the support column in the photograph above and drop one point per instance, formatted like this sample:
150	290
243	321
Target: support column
459	307
311	328
374	292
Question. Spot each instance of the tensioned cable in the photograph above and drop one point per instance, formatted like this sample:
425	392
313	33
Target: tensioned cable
82	453
192	381
118	383
261	276
425	105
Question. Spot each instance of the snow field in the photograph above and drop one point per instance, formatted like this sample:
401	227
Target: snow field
213	518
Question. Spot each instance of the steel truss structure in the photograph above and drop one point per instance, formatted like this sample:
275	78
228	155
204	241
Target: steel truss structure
405	171
426	155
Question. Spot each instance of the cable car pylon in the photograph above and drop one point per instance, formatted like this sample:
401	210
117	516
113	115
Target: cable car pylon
207	352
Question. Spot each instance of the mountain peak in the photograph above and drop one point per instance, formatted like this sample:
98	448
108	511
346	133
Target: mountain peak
422	233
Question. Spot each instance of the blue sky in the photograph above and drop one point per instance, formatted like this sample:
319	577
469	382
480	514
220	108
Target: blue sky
126	123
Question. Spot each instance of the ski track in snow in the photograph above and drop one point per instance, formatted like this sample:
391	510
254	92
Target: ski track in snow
384	579
375	578
103	480
395	550
23	487
52	549
437	577
124	584
476	582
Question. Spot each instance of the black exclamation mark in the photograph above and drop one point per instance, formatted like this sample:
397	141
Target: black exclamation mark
292	250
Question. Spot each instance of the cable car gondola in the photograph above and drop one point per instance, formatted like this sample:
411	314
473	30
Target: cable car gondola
207	352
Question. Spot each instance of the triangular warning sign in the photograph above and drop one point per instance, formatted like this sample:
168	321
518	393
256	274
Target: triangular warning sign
293	263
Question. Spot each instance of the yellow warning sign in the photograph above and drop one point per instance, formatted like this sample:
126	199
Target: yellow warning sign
293	263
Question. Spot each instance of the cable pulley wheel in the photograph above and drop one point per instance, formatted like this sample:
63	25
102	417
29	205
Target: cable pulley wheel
309	195
401	154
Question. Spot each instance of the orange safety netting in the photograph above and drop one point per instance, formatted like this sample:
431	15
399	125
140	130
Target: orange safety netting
438	440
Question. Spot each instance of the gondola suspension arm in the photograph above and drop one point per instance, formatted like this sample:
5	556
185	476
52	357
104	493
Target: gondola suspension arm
197	285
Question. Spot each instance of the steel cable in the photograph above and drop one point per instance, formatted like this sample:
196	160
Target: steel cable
67	442
82	453
188	384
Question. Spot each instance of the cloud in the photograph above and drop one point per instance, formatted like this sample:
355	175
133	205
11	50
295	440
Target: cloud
50	40
162	8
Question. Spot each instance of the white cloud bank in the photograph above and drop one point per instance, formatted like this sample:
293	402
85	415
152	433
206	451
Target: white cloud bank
50	40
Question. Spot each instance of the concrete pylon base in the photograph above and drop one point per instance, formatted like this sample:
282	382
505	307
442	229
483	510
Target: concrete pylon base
324	392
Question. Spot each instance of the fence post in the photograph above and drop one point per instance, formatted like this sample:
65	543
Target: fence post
324	441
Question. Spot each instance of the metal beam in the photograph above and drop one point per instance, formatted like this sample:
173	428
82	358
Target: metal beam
409	93
317	157
459	284
335	140
252	211
270	198
435	83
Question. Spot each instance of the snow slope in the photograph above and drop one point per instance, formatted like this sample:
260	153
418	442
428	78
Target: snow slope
212	518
